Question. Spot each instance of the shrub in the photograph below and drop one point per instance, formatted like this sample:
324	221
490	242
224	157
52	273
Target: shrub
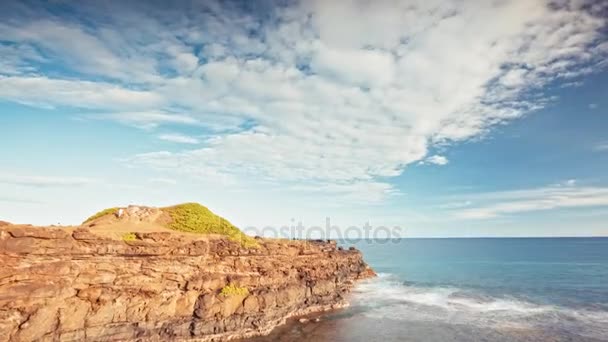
195	218
234	290
101	213
129	237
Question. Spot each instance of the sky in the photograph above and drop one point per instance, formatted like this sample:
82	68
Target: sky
440	118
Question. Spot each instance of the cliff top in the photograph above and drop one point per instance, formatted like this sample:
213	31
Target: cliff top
187	218
190	220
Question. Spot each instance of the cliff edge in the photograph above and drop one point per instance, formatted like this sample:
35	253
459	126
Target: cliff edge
59	284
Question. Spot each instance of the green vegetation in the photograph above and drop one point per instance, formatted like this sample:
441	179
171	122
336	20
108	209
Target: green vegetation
195	218
129	237
101	213
234	290
191	218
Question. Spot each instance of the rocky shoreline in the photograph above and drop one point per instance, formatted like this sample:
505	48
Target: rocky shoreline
75	285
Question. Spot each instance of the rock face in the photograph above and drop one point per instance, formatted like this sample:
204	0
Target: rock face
60	285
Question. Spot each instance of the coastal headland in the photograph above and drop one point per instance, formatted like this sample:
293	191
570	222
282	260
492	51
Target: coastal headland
161	274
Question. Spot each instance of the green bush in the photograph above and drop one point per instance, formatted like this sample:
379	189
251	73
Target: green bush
101	213
195	218
234	290
129	237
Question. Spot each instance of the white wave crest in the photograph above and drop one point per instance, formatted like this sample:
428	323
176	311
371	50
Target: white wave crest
386	297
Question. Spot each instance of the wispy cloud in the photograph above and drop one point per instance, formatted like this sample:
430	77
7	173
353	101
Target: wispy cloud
179	138
437	160
149	119
456	205
50	92
45	181
505	203
602	146
358	192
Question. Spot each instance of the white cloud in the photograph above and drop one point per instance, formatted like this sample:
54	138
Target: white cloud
15	59
48	92
44	181
185	62
514	78
179	138
592	106
366	68
330	92
84	51
359	192
148	119
456	205
602	146
565	195
437	160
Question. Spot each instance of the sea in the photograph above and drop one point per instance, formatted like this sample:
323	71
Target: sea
471	289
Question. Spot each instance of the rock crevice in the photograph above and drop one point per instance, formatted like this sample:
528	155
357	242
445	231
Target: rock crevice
60	285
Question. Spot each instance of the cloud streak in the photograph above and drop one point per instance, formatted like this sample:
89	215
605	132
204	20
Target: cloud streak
44	181
567	195
179	138
603	146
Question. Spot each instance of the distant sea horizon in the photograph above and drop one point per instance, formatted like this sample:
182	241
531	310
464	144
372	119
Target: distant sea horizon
475	237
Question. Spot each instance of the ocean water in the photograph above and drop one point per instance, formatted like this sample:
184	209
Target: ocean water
522	289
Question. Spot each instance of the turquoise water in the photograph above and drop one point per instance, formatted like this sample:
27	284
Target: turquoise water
536	289
569	272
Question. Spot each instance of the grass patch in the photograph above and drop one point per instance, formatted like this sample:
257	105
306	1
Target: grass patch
129	237
101	213
234	290
195	218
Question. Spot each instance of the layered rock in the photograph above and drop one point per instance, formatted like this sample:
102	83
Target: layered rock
62	285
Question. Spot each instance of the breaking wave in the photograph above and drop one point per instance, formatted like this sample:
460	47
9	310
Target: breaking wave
386	297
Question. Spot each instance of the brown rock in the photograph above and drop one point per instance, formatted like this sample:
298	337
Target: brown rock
72	314
39	233
251	304
96	278
161	308
73	336
114	332
131	309
56	286
207	306
184	306
91	294
9	324
100	316
231	303
323	287
40	323
85	234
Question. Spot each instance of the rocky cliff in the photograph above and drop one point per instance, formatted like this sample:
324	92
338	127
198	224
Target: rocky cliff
75	285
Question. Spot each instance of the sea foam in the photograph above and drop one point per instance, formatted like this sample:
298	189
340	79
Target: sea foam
388	297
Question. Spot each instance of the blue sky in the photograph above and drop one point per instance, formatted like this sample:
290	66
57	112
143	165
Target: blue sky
442	118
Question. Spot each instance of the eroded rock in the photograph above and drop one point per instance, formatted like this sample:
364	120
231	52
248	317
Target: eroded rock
61	286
